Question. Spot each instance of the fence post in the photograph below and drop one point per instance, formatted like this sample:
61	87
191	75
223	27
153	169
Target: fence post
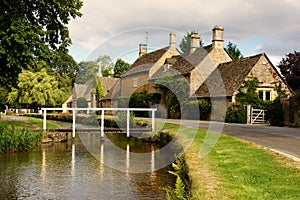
73	126
128	122
153	120
249	114
44	121
102	124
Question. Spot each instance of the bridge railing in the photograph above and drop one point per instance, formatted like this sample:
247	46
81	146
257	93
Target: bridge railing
152	110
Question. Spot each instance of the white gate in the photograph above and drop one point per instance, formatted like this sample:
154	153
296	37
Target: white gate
257	116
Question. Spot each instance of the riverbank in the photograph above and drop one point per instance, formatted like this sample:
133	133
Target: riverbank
17	137
236	169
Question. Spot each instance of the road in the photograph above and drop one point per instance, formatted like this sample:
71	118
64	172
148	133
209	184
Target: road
280	139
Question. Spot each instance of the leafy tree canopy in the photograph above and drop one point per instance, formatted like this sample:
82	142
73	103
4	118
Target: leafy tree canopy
87	70
233	51
30	32
290	69
120	67
35	89
185	43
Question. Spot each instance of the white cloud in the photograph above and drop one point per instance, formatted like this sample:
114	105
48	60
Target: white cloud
277	21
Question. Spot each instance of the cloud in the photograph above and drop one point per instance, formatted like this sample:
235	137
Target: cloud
276	21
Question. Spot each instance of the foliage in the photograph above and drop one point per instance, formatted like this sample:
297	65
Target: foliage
182	181
247	94
86	71
290	69
3	95
141	100
174	92
82	102
106	65
64	66
236	115
30	32
185	43
17	137
233	51
274	113
99	89
35	89
196	109
120	67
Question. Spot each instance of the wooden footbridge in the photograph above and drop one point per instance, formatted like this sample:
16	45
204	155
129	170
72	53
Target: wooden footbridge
102	129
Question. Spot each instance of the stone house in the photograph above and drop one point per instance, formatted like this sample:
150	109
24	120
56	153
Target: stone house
87	91
195	67
228	77
210	72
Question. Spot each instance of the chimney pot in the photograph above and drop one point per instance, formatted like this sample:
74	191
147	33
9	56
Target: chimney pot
218	40
172	40
143	49
195	42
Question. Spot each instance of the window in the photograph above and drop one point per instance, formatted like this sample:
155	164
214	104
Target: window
268	95
261	94
264	95
135	82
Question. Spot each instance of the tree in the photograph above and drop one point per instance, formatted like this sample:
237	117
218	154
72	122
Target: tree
30	32
174	92
35	90
290	69
99	89
120	67
233	51
185	43
86	71
64	65
106	65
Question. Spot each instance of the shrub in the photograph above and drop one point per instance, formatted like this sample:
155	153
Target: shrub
192	109
274	113
236	115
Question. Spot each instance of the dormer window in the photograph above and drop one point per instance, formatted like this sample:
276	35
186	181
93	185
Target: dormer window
264	95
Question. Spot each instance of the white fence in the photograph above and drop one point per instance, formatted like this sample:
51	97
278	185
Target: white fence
152	110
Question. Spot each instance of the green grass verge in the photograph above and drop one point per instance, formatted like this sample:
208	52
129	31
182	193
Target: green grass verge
39	123
235	169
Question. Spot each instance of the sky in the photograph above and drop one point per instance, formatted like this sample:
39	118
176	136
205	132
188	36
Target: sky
116	28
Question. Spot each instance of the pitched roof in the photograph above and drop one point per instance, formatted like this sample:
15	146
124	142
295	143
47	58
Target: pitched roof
227	77
107	84
145	62
181	64
114	92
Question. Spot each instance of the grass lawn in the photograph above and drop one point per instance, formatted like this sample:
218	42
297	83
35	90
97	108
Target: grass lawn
235	169
36	122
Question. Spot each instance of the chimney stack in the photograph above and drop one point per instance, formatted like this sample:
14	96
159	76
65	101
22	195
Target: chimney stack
172	40
143	49
195	42
217	40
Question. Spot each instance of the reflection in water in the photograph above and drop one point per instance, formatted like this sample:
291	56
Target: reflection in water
127	159
68	171
43	170
73	160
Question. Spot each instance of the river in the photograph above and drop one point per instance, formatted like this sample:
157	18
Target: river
69	171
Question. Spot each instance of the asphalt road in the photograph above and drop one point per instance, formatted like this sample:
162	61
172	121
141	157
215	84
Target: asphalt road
281	139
